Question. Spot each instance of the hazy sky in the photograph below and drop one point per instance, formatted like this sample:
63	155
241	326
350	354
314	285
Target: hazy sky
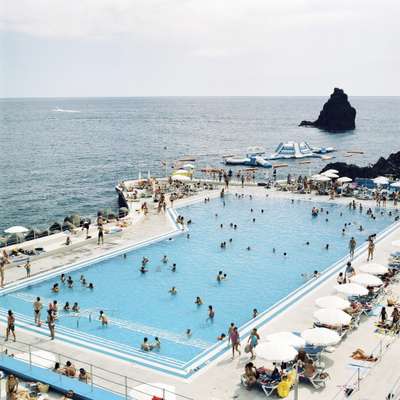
198	47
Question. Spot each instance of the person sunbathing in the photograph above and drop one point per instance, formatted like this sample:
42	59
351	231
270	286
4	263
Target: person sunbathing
359	354
249	378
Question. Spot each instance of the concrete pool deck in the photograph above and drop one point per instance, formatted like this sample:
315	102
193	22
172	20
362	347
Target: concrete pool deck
220	379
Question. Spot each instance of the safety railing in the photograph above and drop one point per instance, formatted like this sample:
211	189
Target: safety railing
96	377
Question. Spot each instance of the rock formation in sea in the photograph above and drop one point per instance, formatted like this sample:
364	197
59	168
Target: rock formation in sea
336	115
389	166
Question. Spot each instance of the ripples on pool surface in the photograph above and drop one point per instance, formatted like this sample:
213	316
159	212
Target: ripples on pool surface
140	305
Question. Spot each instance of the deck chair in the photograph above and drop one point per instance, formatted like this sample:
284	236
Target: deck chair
318	380
268	387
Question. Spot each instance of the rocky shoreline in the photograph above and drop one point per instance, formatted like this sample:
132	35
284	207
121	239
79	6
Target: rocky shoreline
383	167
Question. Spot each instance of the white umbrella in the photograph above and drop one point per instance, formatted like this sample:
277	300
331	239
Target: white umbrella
332	302
381	180
322	178
148	391
189	166
321	337
286	339
374	269
333	171
330	174
396	243
17	229
181	172
344	179
269	351
366	280
181	178
395	184
351	289
332	316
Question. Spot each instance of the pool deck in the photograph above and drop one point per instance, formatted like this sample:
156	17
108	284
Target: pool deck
220	379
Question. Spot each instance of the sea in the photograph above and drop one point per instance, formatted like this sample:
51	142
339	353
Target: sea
65	155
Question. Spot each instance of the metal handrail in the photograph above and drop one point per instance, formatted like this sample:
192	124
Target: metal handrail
98	376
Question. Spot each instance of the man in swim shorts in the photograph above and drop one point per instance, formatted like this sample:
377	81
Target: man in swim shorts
37	308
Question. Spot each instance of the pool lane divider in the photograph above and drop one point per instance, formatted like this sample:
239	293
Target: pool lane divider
201	361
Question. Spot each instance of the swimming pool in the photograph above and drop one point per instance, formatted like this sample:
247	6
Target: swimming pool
140	305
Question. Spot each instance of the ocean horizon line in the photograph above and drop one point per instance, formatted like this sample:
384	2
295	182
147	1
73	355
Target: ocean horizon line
186	96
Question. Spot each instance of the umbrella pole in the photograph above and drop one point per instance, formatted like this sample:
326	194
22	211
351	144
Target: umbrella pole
296	386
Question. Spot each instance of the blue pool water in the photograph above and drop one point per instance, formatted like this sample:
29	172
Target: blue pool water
139	305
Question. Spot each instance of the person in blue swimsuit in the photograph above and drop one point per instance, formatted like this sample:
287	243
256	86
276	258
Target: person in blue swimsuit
253	341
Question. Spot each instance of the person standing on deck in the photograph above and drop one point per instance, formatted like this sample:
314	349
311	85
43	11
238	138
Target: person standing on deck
37	308
28	268
2	268
100	235
371	248
51	322
10	325
352	247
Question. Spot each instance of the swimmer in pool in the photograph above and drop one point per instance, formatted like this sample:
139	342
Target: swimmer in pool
327	246
173	290
284	254
164	259
274	250
70	282
248	248
55	288
90	286
211	313
75	307
255	312
220	276
221	337
188	333
62	278
66	307
145	260
188	236
198	301
143	270
103	318
173	268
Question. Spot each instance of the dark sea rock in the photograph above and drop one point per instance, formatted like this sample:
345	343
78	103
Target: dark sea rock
389	166
123	212
55	227
337	115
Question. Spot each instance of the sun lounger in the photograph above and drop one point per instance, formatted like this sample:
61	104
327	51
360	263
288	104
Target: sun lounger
313	352
268	387
318	380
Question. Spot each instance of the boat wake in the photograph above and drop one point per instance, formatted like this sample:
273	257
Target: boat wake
64	110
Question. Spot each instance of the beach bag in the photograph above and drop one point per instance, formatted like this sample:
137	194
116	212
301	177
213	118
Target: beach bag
247	348
42	388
